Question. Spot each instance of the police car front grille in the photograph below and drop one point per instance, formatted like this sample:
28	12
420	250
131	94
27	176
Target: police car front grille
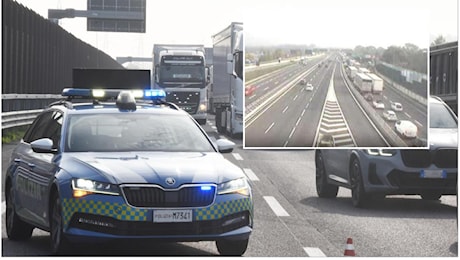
191	196
187	101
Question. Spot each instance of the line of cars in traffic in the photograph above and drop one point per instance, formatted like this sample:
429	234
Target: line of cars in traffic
405	128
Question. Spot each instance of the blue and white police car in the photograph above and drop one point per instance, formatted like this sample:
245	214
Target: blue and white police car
120	167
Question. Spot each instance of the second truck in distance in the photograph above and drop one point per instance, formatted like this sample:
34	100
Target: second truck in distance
181	71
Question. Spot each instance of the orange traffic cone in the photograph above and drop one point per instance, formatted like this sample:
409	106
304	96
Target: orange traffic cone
349	248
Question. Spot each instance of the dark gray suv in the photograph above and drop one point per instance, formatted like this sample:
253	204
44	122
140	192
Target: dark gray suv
371	173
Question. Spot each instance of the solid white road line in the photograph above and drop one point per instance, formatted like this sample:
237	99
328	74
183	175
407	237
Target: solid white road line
251	175
314	252
3	207
237	156
276	207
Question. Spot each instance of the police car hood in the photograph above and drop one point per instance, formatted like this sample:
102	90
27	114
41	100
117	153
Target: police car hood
144	168
443	138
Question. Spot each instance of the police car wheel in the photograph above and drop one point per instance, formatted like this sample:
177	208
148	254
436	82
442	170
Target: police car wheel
59	244
232	247
16	229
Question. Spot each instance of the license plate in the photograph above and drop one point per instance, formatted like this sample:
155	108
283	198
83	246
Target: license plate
433	174
173	215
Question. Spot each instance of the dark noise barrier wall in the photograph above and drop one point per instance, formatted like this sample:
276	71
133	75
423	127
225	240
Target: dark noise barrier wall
38	55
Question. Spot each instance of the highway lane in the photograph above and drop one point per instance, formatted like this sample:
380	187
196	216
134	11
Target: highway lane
293	109
267	85
362	130
399	226
412	111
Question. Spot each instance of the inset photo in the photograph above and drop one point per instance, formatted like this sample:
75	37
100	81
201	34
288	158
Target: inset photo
336	74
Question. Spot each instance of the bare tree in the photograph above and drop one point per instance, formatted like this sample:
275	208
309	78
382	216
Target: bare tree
439	40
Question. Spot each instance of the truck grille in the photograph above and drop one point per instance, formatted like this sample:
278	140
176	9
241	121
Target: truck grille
153	196
188	100
441	158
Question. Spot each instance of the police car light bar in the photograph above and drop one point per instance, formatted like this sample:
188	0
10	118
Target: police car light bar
148	94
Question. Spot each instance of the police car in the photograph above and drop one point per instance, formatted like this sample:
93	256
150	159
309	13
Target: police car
120	167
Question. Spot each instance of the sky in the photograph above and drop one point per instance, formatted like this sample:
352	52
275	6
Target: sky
324	23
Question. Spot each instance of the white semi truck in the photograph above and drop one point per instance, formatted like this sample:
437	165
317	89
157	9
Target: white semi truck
377	83
363	83
181	71
227	94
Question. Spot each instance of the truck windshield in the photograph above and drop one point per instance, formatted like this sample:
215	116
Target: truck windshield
182	76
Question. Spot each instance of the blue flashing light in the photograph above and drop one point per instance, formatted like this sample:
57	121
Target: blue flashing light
206	188
153	94
80	92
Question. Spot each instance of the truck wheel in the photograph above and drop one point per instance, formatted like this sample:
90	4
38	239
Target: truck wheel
218	119
323	189
232	247
16	229
358	196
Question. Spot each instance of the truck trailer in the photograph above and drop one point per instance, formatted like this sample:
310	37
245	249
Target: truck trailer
180	70
363	83
377	83
227	94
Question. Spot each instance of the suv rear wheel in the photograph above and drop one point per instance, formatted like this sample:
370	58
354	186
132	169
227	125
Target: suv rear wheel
358	195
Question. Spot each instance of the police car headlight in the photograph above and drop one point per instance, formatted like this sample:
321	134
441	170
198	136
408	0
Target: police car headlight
238	186
82	187
381	152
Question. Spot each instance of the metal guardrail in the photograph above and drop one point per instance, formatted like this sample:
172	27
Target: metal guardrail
19	118
26	108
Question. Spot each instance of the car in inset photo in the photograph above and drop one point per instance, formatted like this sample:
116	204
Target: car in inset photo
249	90
374	173
378	104
390	115
309	87
406	128
396	106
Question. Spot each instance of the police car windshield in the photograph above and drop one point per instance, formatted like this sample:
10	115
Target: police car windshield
134	132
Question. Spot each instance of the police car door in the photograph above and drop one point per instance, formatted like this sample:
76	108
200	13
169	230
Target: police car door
35	170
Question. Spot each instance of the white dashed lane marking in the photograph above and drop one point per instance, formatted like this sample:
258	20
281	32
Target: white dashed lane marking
314	252
276	206
251	175
237	156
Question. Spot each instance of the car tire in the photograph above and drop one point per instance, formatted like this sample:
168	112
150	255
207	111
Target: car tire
59	244
323	189
16	229
232	247
431	196
358	196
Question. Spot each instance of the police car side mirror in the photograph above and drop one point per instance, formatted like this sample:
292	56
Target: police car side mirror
225	146
43	145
